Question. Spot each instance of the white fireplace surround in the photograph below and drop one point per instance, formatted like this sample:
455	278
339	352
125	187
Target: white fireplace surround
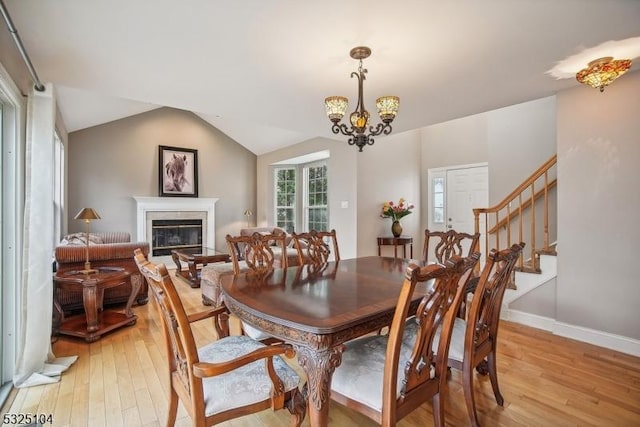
149	208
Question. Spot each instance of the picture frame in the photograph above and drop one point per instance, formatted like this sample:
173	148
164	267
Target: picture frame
177	172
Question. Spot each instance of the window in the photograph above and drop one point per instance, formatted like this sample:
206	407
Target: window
438	200
301	197
316	209
58	190
285	182
11	196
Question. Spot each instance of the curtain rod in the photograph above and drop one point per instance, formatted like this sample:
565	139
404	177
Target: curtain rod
16	38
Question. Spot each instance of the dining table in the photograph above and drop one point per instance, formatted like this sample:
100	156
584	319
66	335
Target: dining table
319	308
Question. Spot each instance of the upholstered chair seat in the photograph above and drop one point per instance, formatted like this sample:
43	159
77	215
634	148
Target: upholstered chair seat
211	280
386	377
362	369
245	385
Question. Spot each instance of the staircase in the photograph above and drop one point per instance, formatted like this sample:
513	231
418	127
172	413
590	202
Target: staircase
527	214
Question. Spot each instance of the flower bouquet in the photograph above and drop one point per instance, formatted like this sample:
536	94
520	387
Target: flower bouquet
395	212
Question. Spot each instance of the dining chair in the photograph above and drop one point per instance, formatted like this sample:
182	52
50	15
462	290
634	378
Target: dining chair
473	342
147	268
227	378
448	243
255	254
385	377
445	244
313	248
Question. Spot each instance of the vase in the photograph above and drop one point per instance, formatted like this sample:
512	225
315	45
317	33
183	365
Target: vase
396	228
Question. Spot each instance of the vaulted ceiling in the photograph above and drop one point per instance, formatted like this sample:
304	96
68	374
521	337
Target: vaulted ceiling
259	70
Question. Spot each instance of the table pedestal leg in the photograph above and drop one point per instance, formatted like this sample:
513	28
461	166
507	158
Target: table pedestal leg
136	283
90	302
193	274
319	366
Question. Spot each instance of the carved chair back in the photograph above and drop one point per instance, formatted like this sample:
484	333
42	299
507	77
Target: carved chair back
436	310
412	373
313	247
191	370
481	327
144	265
448	243
256	251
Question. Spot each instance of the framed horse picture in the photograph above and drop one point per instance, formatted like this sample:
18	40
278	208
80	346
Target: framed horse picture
178	172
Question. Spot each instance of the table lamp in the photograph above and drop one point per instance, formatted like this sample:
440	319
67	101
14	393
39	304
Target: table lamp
87	214
248	213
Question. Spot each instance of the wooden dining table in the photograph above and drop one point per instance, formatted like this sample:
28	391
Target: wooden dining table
318	309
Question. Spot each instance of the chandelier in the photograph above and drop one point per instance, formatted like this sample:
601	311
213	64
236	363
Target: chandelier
603	71
337	106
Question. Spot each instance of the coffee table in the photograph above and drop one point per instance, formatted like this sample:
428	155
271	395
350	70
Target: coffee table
95	321
195	259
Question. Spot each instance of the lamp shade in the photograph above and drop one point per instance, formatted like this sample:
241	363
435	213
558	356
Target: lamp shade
336	107
388	108
248	212
87	214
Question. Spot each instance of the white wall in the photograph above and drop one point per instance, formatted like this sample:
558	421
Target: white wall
598	207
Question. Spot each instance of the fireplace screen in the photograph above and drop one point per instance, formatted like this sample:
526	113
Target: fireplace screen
168	234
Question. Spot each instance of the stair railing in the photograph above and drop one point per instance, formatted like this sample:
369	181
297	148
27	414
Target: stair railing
522	214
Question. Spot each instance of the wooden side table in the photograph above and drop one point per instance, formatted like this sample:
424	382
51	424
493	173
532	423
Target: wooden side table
194	258
95	321
395	242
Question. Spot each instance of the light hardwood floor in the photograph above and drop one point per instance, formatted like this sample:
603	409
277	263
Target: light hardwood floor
546	380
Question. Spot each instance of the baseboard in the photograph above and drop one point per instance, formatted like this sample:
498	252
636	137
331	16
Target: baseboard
528	319
602	339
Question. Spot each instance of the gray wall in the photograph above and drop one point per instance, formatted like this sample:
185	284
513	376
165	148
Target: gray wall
520	138
513	140
11	60
387	171
598	205
111	163
541	301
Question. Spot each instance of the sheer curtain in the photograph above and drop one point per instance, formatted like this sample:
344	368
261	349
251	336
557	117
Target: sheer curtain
36	363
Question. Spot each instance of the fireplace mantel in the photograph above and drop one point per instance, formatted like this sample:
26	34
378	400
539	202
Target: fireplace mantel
144	205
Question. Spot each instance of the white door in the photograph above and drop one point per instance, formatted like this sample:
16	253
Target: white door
467	188
453	192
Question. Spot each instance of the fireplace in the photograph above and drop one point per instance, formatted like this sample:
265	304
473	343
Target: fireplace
169	234
192	213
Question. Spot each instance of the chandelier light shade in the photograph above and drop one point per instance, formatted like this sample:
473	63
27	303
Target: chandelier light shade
360	132
603	71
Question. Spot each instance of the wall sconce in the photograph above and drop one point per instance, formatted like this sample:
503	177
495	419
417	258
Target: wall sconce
248	213
87	214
